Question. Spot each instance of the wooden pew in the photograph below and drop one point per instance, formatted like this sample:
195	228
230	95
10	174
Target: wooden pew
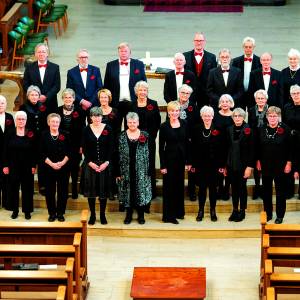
39	280
44	254
49	234
60	294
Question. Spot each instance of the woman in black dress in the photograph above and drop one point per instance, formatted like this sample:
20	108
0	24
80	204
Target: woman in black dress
97	142
274	161
208	159
37	122
19	163
174	159
240	162
149	121
55	153
72	123
222	120
110	117
134	174
256	119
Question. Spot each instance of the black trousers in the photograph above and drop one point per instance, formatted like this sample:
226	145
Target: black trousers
238	189
257	176
73	166
280	188
4	191
57	183
191	183
123	109
23	179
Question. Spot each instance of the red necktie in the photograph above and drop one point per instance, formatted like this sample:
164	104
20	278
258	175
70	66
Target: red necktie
179	73
267	73
224	71
248	59
124	63
198	53
43	66
83	69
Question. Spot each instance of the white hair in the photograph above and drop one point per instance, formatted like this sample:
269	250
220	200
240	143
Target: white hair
20	113
263	92
224	50
293	52
207	110
185	87
294	88
228	97
249	39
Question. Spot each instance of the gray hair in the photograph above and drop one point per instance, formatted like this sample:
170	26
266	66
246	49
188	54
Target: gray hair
41	45
132	116
21	113
294	52
228	97
82	50
274	110
68	91
207	110
239	111
249	39
96	111
224	50
53	115
294	88
179	54
33	88
140	84
123	45
186	87
266	53
263	92
3	98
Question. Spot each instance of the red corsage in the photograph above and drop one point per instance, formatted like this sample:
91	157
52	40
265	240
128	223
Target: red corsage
8	122
136	71
92	77
30	134
61	137
111	115
42	108
190	108
215	132
280	130
149	107
142	138
104	132
75	114
247	130
274	82
187	81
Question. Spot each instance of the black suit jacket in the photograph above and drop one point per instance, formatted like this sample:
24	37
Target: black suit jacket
93	84
170	87
287	82
275	87
216	86
209	62
112	80
238	62
9	125
51	83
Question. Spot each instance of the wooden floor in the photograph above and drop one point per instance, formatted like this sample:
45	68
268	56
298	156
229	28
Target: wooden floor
114	250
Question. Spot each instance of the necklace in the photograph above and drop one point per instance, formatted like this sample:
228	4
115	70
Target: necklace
293	73
271	136
206	136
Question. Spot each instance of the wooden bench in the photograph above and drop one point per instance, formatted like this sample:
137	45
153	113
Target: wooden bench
39	280
44	254
60	294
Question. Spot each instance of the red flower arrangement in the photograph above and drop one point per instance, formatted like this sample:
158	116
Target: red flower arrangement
142	139
92	77
274	82
215	132
187	81
247	130
42	108
30	134
8	122
149	107
136	71
105	132
75	114
280	130
190	108
61	137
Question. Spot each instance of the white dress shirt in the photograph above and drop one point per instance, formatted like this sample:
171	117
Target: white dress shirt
225	76
124	82
83	75
2	121
266	81
42	70
247	70
179	80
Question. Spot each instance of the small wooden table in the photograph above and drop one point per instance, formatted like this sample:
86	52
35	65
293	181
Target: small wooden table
168	283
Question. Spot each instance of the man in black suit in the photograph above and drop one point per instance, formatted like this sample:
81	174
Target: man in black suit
175	79
45	75
268	79
121	75
200	62
247	63
225	80
85	80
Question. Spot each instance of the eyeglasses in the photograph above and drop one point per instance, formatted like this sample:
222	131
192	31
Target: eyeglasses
295	93
199	41
184	93
83	57
237	116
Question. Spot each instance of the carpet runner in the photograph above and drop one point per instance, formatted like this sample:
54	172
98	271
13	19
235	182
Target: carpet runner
193	6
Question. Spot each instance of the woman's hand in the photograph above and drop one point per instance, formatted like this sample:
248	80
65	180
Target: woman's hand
247	172
163	171
32	171
188	167
288	167
6	170
103	166
93	166
296	175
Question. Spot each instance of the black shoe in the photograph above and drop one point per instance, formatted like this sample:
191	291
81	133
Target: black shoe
42	190
256	193
92	220
27	216
141	220
128	219
111	196
241	216
14	215
225	196
173	221
192	197
278	220
269	218
61	218
103	220
200	216
213	215
51	218
233	215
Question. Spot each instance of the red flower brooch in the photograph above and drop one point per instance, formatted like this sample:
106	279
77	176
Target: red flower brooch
280	130
149	107
190	108
111	115
42	108
75	114
136	71
104	132
30	134
8	122
61	137
215	132
187	81
247	130
142	138
92	77
274	82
